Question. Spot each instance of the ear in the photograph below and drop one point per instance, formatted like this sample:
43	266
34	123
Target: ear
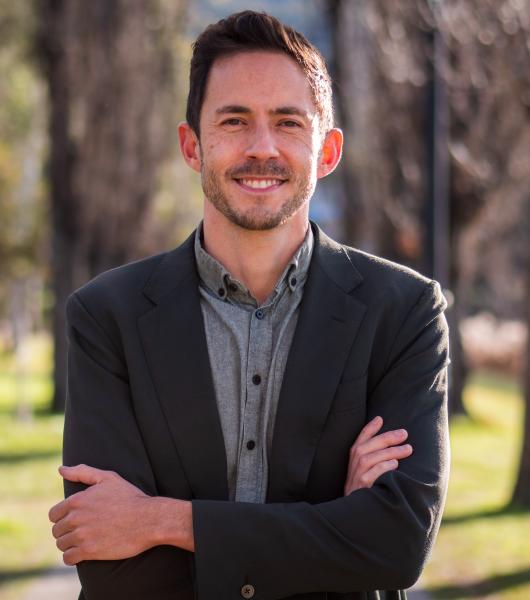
330	152
189	146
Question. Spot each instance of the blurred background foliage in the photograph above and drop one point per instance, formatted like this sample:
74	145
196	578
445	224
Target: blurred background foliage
434	100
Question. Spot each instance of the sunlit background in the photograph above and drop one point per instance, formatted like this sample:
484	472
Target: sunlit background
434	100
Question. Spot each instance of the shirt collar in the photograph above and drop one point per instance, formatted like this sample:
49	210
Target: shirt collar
218	280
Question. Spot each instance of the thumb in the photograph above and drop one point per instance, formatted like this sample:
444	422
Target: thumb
82	474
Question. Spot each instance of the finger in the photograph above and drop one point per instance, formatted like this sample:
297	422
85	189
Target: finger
58	511
61	509
371	476
397	452
369	430
62	527
367	479
383	440
65	542
72	556
83	474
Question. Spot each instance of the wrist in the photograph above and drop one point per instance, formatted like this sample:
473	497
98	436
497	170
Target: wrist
172	523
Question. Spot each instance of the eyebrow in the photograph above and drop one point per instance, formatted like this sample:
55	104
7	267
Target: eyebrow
232	108
281	110
290	110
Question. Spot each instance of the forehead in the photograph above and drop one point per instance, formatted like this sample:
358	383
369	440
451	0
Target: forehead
258	79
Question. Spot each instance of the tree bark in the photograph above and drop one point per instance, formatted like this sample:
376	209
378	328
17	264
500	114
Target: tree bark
388	169
521	494
459	369
110	70
356	84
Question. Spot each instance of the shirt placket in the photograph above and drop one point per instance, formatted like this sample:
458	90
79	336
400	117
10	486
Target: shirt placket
250	464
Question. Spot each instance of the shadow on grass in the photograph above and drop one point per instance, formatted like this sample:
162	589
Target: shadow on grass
482	588
36	412
7	576
503	511
10	459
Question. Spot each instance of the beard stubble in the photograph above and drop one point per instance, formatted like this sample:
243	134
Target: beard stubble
257	217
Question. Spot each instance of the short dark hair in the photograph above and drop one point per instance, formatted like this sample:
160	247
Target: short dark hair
249	31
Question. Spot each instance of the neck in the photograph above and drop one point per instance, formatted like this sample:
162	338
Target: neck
256	258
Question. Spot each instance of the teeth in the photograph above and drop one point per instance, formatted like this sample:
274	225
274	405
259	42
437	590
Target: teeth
260	183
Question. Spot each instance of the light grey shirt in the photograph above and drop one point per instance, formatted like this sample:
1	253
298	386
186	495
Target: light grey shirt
248	345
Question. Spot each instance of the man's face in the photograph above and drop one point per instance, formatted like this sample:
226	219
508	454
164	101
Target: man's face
259	140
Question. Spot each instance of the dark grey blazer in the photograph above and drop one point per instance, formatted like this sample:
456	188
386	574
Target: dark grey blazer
371	340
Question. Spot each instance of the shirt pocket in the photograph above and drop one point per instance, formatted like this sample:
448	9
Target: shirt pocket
350	396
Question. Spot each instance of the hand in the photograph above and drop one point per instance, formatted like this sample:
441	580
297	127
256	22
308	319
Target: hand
372	455
110	520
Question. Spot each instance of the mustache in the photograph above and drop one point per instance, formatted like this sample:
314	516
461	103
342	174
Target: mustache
271	168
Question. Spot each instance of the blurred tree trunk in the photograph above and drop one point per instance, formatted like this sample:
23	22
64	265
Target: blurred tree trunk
459	369
521	494
382	111
395	159
353	75
109	67
385	66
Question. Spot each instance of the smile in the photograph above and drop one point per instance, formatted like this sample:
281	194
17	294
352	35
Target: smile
260	184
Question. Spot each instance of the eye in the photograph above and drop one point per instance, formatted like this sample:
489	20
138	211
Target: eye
290	124
234	121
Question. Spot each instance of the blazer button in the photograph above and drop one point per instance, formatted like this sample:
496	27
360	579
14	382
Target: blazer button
248	591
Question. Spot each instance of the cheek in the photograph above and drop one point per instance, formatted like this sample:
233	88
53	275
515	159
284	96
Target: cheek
310	163
305	150
221	153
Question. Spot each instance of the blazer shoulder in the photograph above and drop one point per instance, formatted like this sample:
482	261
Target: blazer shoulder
120	281
394	282
110	303
119	296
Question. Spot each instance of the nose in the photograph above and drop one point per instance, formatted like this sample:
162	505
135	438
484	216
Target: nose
262	143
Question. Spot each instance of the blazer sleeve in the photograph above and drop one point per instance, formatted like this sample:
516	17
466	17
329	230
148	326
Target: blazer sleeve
101	430
376	538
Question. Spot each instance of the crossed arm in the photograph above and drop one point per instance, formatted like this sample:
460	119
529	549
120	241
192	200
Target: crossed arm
372	538
113	519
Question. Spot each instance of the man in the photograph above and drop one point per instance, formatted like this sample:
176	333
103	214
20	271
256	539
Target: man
239	401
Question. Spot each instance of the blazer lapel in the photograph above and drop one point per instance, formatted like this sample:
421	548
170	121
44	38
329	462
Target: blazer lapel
327	325
174	341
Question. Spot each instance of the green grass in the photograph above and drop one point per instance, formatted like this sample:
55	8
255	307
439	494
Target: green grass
36	386
483	548
30	452
29	486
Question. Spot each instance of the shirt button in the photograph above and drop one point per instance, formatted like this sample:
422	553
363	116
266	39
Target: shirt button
256	379
293	281
251	444
259	314
233	287
248	591
221	292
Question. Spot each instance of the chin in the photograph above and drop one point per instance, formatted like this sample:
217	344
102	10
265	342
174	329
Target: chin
254	222
260	213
